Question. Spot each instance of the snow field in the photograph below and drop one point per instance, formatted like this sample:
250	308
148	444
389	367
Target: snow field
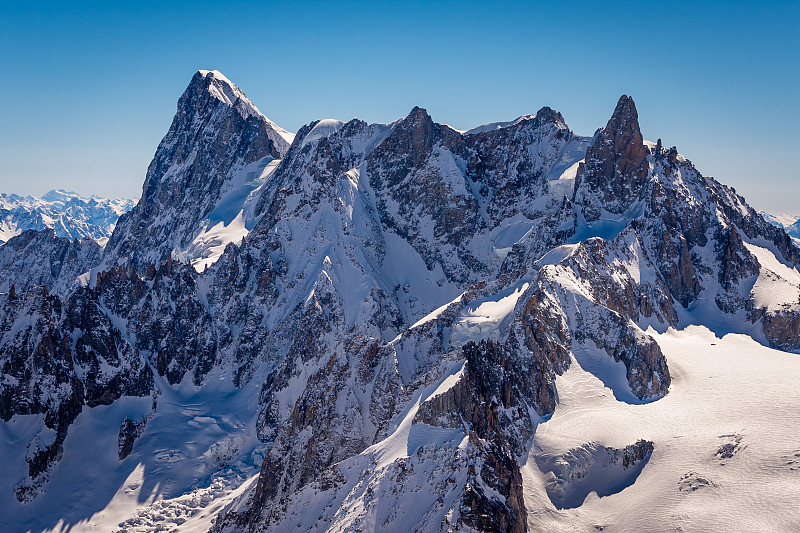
726	441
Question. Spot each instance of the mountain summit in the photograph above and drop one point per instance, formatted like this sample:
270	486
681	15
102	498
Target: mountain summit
616	166
218	140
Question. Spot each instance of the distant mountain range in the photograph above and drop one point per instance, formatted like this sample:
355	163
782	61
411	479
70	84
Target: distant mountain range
68	214
790	223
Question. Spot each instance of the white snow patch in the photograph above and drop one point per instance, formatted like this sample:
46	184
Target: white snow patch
482	318
778	286
492	126
407	438
323	129
197	453
723	390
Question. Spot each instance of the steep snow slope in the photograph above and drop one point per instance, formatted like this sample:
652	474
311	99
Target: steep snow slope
654	239
197	445
231	219
725	456
66	213
716	464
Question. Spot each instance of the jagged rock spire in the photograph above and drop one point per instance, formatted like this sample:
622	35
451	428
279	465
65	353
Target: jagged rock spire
615	169
414	136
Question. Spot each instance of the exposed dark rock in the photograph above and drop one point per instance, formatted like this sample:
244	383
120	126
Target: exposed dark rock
39	258
615	171
316	297
782	329
129	431
216	132
499	472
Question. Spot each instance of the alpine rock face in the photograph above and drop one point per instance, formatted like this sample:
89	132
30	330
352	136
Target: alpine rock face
53	239
217	150
389	327
42	259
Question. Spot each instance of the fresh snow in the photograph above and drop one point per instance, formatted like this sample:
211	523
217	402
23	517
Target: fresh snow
778	286
197	453
405	439
784	220
68	214
497	125
727	393
225	91
726	453
232	218
482	318
323	129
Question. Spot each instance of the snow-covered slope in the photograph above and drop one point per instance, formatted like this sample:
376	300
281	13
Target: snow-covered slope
725	450
720	454
395	327
794	231
66	213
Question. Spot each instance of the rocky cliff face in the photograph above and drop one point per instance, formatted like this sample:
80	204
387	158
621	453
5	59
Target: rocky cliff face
404	298
615	169
216	135
40	258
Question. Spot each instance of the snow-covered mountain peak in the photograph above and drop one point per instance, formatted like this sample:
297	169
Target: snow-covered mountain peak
321	130
545	114
223	89
59	195
483	128
215	74
68	214
789	222
215	152
215	84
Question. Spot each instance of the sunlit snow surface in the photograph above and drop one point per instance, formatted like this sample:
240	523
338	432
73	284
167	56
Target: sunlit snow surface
198	452
728	391
482	318
232	218
726	451
778	286
68	214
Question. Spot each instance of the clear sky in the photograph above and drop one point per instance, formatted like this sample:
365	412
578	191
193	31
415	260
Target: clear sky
89	89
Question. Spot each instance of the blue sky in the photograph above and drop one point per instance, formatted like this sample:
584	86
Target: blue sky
89	89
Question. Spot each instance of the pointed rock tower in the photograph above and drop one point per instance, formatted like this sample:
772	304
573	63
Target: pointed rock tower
615	170
217	134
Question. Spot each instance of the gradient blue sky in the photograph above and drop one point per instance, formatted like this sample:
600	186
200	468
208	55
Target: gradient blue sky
89	89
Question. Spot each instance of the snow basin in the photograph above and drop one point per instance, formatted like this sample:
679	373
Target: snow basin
482	318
